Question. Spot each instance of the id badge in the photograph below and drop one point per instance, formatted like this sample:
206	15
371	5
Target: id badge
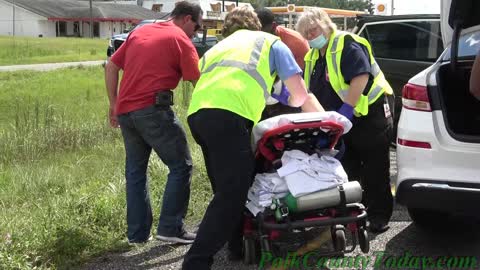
386	109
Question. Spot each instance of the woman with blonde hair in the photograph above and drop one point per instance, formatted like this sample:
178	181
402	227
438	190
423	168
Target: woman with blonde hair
236	77
342	73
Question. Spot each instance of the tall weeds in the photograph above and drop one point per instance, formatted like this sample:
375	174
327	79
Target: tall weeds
39	129
29	50
62	187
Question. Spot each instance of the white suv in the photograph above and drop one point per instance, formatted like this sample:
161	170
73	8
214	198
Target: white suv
438	143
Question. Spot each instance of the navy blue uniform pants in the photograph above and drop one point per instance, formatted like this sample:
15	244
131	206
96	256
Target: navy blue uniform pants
367	159
225	139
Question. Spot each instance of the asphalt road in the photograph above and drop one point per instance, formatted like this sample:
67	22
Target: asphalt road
403	246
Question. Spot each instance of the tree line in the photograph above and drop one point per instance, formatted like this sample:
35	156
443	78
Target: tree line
361	5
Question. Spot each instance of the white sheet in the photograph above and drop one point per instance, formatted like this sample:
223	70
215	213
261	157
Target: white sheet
305	174
267	186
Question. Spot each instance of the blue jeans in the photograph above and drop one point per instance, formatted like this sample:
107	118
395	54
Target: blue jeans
158	129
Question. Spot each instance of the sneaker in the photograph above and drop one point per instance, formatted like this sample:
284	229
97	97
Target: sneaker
136	243
183	238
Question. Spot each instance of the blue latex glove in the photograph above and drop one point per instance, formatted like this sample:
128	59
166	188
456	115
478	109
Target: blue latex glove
346	110
283	96
323	142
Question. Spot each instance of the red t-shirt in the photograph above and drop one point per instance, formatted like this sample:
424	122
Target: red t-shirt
153	58
295	42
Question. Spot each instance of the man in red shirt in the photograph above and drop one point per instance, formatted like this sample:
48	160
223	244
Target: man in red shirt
299	47
154	58
294	41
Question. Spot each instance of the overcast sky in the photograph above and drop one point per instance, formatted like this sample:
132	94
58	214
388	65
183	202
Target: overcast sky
411	6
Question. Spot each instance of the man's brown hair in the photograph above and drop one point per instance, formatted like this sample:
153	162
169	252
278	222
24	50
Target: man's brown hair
184	8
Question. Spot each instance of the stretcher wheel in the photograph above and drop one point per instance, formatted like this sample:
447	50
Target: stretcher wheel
249	251
339	239
265	245
363	240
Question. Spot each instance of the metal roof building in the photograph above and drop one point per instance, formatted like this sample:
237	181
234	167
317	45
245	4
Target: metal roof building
50	18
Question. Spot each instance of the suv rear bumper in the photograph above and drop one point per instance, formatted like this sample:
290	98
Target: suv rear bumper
444	196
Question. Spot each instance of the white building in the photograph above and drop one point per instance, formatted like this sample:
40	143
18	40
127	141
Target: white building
54	18
209	7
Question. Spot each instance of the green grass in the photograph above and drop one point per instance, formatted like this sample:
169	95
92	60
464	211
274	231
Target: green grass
27	50
62	195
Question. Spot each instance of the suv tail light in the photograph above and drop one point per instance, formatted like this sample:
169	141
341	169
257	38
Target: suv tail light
415	97
415	144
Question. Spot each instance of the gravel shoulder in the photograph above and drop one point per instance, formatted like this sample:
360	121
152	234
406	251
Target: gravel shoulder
160	255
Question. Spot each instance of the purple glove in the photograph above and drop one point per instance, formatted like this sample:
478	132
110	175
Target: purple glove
283	96
346	110
323	142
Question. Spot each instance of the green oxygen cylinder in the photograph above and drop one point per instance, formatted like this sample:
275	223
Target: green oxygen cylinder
324	198
291	203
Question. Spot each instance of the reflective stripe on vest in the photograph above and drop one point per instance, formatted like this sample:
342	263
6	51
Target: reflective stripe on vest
235	75
337	82
379	84
250	68
375	68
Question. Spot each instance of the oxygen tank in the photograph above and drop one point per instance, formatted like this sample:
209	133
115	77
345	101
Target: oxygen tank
325	198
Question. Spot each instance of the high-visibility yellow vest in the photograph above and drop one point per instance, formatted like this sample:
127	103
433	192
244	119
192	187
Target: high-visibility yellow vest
235	75
333	57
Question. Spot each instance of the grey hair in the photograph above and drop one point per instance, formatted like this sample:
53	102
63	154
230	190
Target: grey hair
312	18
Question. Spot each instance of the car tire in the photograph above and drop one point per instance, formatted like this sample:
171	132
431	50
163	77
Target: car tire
428	219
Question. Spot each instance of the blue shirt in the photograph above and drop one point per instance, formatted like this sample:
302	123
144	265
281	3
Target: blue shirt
355	62
282	61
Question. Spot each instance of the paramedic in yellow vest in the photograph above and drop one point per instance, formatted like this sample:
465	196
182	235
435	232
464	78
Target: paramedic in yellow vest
342	73
236	77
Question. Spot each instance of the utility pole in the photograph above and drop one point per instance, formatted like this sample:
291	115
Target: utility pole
13	18
393	7
91	20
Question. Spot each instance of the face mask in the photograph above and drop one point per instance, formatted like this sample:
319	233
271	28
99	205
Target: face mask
318	42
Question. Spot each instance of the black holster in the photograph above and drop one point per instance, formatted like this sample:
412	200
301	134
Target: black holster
164	98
